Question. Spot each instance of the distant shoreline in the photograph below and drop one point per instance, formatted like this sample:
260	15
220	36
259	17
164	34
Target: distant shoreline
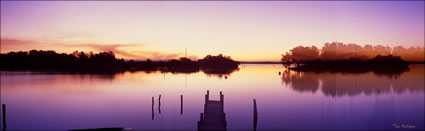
268	62
260	62
106	62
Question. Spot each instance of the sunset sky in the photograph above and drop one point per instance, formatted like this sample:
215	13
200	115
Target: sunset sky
244	30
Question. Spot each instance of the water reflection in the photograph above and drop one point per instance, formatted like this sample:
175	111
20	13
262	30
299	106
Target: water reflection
352	84
75	75
36	101
220	73
390	70
383	115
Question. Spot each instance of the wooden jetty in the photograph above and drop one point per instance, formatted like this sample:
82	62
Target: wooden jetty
213	118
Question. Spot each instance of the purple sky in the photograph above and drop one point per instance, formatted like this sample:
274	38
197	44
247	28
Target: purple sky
245	30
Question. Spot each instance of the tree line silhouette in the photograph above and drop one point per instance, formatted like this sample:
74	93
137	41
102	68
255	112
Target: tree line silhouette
337	52
106	62
340	57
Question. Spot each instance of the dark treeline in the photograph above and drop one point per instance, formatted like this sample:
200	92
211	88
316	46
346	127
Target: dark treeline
106	62
339	57
385	65
50	60
340	52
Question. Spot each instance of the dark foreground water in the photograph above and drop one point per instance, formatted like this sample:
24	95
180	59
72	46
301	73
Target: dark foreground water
287	101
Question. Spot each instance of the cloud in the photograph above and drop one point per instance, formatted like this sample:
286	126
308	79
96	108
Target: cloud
112	47
9	44
126	51
117	49
160	55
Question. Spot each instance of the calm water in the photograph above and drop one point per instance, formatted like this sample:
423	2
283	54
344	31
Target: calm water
291	100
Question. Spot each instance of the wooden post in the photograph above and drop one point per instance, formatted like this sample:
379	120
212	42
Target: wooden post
200	122
221	96
152	107
4	115
202	117
255	115
153	102
207	97
159	104
181	104
222	100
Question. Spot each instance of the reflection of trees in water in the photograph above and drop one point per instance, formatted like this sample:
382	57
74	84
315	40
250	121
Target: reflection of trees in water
97	77
306	83
389	70
89	76
352	84
219	72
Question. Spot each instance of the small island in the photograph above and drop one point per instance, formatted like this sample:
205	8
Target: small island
352	58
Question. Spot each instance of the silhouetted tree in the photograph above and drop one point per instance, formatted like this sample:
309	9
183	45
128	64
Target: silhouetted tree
218	62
